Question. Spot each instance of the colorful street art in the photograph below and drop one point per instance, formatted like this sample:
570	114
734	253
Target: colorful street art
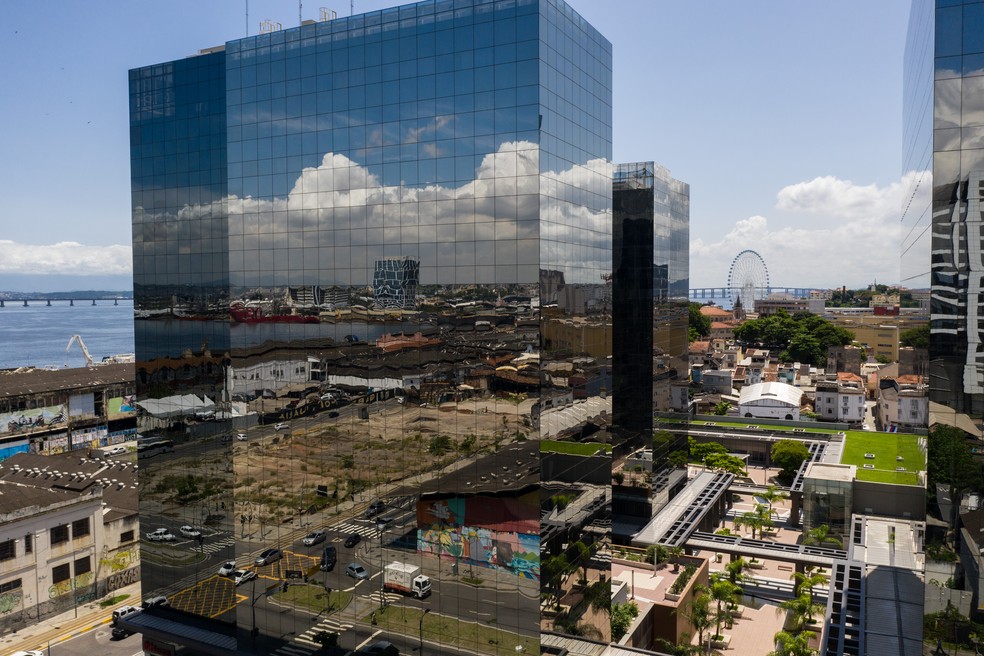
66	586
503	535
121	559
24	421
118	407
10	601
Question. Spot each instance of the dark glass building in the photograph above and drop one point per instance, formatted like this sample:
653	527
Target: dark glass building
650	358
945	72
372	263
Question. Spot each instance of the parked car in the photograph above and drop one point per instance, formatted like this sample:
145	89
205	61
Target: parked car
332	414
160	535
160	600
314	537
241	437
240	576
282	426
268	556
189	531
29	652
352	540
356	571
375	508
116	450
227	568
381	648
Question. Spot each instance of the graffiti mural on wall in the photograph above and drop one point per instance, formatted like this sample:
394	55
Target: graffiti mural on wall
25	420
66	586
120	560
10	601
123	579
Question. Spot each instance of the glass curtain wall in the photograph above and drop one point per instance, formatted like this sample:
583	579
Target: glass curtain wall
179	210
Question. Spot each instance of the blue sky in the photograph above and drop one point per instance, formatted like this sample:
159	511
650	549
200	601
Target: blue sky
785	118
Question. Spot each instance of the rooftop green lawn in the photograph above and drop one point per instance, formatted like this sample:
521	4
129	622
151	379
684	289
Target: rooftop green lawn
731	422
886	447
573	448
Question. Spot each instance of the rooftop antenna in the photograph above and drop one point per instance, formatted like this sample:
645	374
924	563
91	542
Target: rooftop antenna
351	7
300	17
247	17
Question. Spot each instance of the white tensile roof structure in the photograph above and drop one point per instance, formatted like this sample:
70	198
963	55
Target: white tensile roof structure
782	392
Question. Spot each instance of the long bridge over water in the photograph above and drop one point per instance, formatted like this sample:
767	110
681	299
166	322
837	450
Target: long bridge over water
27	301
760	292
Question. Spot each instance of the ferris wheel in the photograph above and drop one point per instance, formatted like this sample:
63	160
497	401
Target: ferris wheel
748	279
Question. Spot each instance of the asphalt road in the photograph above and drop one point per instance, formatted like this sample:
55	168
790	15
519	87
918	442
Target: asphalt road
98	641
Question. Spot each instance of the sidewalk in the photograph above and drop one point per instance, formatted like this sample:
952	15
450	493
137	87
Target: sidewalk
59	628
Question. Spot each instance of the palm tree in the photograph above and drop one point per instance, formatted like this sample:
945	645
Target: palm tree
725	593
698	612
771	495
820	535
812	577
734	569
802	609
788	644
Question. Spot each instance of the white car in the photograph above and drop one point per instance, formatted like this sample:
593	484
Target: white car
116	450
241	437
240	576
160	535
29	652
227	568
189	531
281	426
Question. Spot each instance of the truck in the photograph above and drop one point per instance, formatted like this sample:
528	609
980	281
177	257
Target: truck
406	578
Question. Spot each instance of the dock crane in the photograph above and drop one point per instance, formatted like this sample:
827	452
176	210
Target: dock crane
85	351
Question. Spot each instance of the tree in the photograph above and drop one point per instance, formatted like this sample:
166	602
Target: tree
950	463
723	462
698	325
771	495
790	644
915	337
820	535
788	455
757	519
622	617
734	569
722	408
724	593
700	450
553	570
811	578
802	609
679	459
582	557
698	612
803	337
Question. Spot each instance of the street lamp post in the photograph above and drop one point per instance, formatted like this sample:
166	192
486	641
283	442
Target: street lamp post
420	632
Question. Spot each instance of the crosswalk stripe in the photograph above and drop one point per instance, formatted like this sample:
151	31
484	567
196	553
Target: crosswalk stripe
364	531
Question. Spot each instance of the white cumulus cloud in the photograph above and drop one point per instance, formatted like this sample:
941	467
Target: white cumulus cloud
830	232
65	258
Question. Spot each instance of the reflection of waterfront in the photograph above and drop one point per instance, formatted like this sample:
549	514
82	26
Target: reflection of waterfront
172	337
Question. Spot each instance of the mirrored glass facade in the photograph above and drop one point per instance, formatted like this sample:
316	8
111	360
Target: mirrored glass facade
372	266
957	352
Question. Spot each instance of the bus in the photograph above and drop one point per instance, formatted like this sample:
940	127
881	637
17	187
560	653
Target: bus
152	447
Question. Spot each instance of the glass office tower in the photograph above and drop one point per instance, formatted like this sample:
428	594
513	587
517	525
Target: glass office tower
349	239
651	279
952	33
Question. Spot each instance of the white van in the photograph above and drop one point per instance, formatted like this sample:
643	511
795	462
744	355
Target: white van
122	611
